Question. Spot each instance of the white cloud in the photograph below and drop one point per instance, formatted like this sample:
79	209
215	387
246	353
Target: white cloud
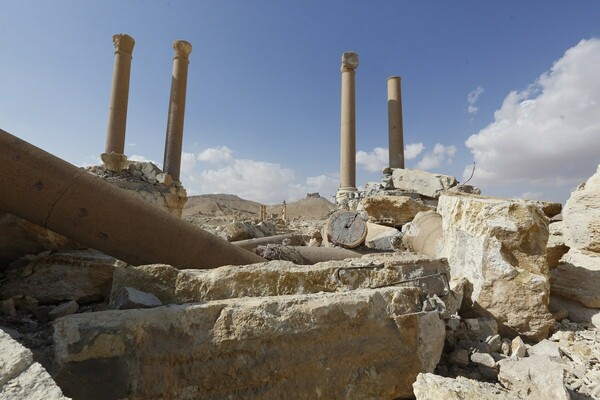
532	196
438	156
548	133
139	158
412	151
472	100
374	161
215	155
260	181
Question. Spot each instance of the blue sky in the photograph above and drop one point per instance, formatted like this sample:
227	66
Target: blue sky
263	103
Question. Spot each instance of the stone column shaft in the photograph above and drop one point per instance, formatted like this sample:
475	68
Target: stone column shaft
117	115
348	125
174	139
395	129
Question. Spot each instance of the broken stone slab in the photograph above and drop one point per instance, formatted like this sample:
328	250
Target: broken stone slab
81	275
276	278
546	348
383	238
129	298
356	344
485	364
435	387
549	208
20	376
481	328
19	237
499	245
424	234
244	230
581	216
535	378
518	348
576	312
67	308
393	211
556	247
421	182
577	277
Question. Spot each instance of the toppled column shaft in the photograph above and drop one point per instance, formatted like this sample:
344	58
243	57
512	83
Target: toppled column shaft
174	139
395	129
52	193
117	115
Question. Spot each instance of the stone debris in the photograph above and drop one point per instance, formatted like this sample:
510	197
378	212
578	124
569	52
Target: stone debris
499	245
393	211
577	277
81	275
517	348
424	235
245	230
383	238
67	308
20	376
346	229
556	246
575	311
535	378
129	298
424	183
273	346
435	387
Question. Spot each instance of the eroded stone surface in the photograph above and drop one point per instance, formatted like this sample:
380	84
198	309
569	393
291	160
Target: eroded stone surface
535	377
391	210
577	277
357	344
424	234
422	182
435	387
499	245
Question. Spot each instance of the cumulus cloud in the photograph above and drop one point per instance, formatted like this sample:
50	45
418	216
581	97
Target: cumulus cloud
373	161
548	133
439	156
412	151
215	155
378	159
472	98
139	158
260	181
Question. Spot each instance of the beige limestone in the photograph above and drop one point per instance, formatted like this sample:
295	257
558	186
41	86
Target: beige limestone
21	377
174	139
534	378
499	245
348	126
276	278
81	275
382	237
556	246
576	312
391	210
424	183
117	117
314	346
435	387
577	277
395	129
424	235
581	216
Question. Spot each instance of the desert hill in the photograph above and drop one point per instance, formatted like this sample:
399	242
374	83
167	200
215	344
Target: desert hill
228	204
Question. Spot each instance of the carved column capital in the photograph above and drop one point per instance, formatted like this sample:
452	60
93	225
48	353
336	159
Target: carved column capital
182	48
123	43
349	61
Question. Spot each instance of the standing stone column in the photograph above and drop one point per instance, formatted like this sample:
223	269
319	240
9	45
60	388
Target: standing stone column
348	127
113	157
174	139
395	129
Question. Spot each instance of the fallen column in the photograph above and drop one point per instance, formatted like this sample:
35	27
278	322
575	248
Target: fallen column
113	156
358	344
395	129
249	244
174	139
58	196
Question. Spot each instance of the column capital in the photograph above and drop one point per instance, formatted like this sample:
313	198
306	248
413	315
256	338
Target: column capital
123	42
394	78
349	61
182	48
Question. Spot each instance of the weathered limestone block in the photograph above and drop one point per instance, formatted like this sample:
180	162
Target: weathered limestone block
549	208
576	311
535	378
20	376
276	278
391	210
356	345
381	237
424	234
81	275
424	183
435	387
577	277
581	216
244	230
500	247
556	246
19	237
